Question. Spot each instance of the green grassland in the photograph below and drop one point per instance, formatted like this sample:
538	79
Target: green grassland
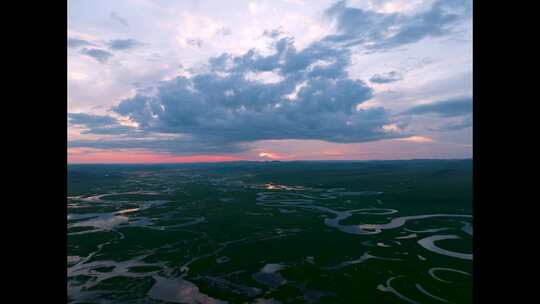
261	232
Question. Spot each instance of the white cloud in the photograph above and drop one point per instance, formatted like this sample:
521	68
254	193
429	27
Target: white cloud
391	128
180	36
417	139
264	77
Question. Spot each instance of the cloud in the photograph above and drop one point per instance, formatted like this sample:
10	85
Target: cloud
114	44
224	31
417	139
447	108
123	44
274	33
382	31
75	43
99	124
91	120
455	126
114	16
194	30
289	94
194	42
386	78
98	54
226	107
178	146
298	90
226	104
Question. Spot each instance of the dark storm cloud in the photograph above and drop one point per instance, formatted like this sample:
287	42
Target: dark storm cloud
386	78
318	60
123	44
99	124
380	31
447	108
225	104
114	16
310	96
75	43
98	54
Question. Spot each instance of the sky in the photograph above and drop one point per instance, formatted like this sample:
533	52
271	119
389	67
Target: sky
162	81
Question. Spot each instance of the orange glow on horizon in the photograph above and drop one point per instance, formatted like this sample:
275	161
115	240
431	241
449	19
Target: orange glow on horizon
274	155
266	154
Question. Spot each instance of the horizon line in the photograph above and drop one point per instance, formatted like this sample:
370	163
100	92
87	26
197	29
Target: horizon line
270	161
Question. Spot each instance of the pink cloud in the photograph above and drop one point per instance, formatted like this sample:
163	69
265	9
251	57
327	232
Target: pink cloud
417	139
